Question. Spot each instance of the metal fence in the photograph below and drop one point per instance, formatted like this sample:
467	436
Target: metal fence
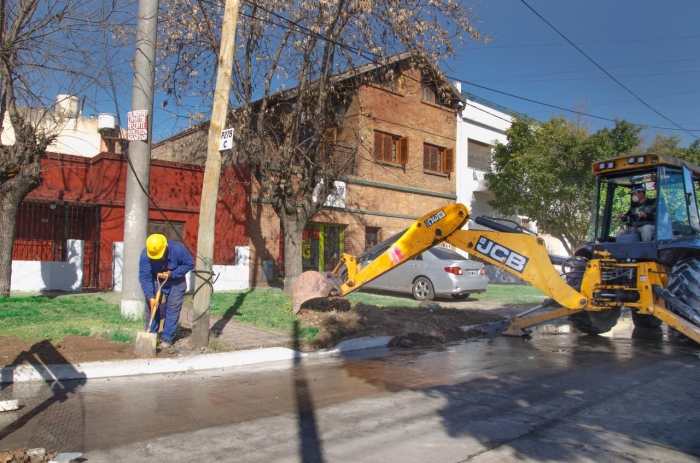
43	228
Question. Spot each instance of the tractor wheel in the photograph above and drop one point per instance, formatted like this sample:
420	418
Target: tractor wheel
588	321
644	320
595	322
423	289
683	283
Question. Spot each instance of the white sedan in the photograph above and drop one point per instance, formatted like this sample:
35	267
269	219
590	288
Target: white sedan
436	272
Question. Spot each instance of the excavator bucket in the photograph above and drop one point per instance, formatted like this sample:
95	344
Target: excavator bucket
313	285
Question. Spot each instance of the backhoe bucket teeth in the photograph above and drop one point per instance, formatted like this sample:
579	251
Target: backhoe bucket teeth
313	285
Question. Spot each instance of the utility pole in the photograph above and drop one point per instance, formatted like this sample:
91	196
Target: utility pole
212	175
140	124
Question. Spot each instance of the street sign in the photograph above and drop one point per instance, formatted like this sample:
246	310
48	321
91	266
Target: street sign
226	141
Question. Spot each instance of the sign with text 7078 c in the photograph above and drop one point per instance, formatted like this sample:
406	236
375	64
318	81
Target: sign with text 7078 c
226	141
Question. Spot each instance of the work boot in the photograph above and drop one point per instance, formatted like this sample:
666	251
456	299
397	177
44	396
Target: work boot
165	344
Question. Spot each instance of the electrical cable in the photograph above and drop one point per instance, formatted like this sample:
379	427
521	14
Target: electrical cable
606	72
371	56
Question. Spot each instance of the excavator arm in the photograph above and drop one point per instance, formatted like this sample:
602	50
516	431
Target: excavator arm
431	229
523	255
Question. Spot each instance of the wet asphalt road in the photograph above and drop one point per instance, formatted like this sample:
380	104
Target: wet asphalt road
554	397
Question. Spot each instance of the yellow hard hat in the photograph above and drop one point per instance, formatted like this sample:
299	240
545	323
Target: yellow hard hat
155	246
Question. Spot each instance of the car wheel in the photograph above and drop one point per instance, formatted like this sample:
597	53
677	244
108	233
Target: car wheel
460	297
423	289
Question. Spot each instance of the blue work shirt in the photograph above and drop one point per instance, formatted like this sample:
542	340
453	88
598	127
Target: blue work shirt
176	259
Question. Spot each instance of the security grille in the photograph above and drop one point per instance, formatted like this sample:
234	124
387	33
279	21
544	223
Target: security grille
43	229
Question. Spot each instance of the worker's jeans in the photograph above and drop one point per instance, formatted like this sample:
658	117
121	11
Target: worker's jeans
169	310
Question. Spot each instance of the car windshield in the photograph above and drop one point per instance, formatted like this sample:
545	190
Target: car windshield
446	254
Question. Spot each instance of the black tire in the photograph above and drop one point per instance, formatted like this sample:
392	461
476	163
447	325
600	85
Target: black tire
460	297
595	323
590	322
683	283
644	320
423	289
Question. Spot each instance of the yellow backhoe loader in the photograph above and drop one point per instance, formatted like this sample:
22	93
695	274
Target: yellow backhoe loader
658	280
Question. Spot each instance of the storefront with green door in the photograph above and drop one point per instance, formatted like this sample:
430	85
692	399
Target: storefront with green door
321	246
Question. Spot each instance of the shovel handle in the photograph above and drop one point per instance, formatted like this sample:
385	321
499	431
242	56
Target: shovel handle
159	294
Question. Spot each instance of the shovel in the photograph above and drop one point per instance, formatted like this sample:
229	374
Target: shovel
145	346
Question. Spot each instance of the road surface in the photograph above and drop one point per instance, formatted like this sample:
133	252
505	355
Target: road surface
554	397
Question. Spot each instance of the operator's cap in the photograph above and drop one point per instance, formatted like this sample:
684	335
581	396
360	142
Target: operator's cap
155	246
637	188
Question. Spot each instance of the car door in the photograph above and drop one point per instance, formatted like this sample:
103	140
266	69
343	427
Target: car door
401	277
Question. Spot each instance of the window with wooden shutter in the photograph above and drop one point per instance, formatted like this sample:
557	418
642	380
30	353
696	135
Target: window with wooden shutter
402	151
448	160
432	158
479	156
428	93
387	148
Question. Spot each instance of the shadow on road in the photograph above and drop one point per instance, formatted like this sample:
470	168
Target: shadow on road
46	361
310	443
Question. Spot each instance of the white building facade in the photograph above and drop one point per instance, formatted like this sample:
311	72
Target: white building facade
479	129
481	125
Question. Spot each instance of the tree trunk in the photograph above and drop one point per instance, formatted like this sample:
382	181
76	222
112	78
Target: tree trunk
9	208
565	243
292	251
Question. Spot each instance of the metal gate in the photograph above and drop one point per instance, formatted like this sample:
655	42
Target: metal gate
43	229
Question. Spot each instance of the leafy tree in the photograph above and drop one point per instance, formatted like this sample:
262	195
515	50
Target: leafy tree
46	47
286	89
545	172
672	145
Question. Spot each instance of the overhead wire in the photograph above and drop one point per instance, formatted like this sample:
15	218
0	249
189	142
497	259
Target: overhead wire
606	72
371	56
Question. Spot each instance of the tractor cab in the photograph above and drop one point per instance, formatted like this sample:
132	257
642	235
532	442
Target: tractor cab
667	229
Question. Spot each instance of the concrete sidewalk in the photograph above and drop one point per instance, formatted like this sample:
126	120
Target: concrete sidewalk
183	365
239	336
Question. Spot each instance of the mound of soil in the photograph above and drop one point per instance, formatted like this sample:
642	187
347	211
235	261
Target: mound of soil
428	324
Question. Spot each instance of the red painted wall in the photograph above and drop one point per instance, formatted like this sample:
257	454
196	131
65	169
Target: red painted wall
175	188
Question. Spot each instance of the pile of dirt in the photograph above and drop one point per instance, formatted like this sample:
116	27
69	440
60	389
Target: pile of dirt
428	324
335	318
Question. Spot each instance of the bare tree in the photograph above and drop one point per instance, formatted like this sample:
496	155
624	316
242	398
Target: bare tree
47	47
297	65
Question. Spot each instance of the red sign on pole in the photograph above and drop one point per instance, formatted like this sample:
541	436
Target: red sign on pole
137	125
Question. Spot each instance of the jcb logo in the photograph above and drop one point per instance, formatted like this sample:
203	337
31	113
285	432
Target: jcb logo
436	217
502	254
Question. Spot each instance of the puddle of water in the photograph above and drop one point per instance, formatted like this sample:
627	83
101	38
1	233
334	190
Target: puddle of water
624	329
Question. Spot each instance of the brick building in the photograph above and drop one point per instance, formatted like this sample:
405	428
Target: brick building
403	169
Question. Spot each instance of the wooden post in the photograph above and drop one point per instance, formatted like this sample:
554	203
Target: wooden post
212	175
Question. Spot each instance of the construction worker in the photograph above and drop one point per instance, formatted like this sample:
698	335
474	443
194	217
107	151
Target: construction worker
164	262
641	216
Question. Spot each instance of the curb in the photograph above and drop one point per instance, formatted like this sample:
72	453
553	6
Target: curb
94	370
